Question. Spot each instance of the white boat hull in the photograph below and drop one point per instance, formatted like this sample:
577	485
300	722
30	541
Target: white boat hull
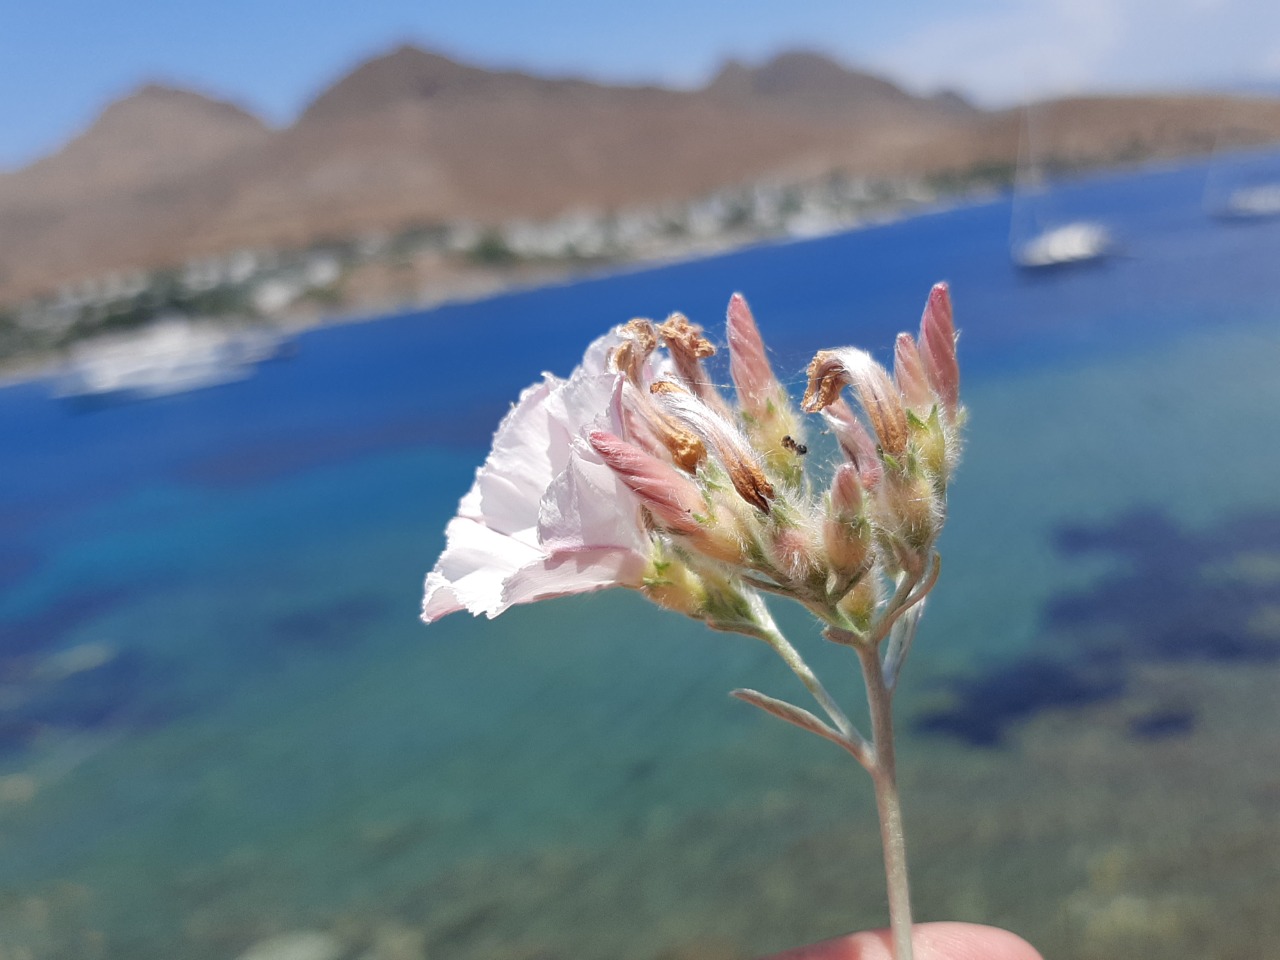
1078	242
170	357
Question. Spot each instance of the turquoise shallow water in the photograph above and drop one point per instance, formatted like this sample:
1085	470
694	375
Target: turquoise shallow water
220	719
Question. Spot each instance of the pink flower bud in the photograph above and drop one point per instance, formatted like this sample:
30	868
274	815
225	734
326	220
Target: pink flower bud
792	553
846	492
846	536
855	442
910	376
938	348
848	551
671	497
749	366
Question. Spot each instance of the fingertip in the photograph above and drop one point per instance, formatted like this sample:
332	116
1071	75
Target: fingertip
932	941
969	941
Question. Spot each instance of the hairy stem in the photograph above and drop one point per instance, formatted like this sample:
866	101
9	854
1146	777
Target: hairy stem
771	635
884	774
906	596
877	755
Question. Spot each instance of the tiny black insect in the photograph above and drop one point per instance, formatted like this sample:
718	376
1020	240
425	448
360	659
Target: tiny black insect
794	447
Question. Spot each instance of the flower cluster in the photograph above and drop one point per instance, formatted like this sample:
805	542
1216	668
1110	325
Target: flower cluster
637	471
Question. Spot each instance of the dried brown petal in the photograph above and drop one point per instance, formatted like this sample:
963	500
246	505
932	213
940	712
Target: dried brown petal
826	380
639	340
752	485
688	348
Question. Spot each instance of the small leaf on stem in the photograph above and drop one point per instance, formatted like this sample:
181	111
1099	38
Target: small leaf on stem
800	717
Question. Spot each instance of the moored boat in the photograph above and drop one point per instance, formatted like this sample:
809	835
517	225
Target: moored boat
168	357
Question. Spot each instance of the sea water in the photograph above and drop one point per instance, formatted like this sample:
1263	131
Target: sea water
220	719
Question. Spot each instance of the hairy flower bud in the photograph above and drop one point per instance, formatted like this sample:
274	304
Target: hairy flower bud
752	375
855	443
846	492
859	604
937	449
793	553
771	422
674	501
938	348
846	533
671	584
670	496
915	511
909	375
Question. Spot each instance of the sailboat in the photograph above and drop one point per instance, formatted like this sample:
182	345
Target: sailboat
1077	242
1255	194
1037	241
1248	203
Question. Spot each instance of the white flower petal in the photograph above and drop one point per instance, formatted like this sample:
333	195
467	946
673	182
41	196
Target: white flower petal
573	573
510	483
545	516
589	507
470	573
531	445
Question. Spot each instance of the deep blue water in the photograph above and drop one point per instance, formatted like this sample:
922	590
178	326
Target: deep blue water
220	718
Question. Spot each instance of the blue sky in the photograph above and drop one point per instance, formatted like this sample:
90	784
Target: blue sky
61	61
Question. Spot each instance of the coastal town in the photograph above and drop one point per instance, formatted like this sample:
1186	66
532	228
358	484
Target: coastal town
381	272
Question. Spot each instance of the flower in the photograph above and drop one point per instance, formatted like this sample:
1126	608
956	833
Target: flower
545	517
909	375
637	472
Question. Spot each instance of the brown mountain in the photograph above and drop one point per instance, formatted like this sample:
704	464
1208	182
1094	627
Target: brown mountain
409	75
414	137
811	82
123	193
155	134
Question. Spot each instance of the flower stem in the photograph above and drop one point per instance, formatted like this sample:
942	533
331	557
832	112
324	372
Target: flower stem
884	775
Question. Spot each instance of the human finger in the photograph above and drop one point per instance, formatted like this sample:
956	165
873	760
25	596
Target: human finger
932	941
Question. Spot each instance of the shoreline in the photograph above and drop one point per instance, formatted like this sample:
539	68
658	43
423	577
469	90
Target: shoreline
478	287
